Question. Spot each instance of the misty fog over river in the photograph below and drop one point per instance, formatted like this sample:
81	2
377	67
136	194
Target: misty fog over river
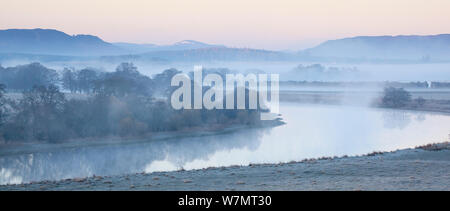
311	131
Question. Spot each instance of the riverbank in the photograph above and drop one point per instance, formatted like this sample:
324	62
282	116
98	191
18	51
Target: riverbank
422	168
31	147
435	102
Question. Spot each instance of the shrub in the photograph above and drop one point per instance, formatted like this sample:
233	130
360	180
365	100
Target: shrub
395	97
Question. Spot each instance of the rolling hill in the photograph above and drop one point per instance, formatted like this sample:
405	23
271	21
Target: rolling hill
432	47
53	42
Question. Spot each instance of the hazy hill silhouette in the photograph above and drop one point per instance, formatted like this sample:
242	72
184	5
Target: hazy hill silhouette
432	47
53	42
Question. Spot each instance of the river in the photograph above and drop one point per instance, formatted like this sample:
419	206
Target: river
312	131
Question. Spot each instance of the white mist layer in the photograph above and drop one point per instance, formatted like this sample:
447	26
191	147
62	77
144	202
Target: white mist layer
159	166
7	177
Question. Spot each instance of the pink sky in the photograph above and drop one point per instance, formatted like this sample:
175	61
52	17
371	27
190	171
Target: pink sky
278	25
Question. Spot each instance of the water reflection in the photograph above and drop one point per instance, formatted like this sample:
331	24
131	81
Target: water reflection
397	119
421	117
310	132
122	159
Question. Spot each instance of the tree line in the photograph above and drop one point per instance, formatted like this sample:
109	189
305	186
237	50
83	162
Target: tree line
120	103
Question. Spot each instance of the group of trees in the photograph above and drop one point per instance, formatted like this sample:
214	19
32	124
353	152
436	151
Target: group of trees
81	81
24	77
395	97
119	103
319	72
126	79
400	98
2	104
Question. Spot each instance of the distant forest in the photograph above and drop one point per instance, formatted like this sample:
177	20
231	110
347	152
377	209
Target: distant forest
121	103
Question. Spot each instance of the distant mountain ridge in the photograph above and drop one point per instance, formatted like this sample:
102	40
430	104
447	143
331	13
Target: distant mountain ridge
413	47
206	54
53	42
182	45
29	43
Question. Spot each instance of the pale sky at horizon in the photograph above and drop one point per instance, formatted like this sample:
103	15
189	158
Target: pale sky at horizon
263	24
